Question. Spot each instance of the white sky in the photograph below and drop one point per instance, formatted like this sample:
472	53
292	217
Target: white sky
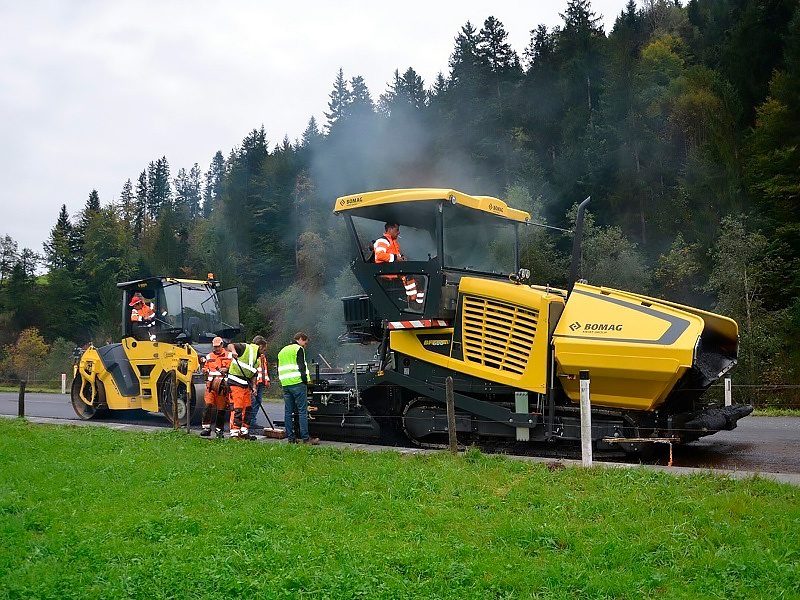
91	91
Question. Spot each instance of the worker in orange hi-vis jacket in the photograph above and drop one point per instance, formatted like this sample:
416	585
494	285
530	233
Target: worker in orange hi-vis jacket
143	316
241	375
387	250
262	380
215	368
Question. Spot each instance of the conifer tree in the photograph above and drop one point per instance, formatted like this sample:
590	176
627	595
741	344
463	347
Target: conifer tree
360	105
59	248
493	50
405	92
140	218
311	134
159	192
464	60
9	253
87	215
187	193
213	183
339	100
127	204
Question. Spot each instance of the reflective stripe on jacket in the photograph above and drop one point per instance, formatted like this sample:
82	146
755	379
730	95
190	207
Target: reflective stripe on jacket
292	367
261	374
248	362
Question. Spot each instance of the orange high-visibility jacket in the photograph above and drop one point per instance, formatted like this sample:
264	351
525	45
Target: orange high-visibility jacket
386	249
261	373
146	313
215	363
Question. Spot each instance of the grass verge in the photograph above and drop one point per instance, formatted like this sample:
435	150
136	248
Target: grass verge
776	412
34	389
93	512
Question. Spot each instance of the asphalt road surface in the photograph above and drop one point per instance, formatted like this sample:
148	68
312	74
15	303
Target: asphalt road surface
765	444
762	444
58	406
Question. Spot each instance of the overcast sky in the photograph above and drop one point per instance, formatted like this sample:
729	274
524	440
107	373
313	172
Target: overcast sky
91	91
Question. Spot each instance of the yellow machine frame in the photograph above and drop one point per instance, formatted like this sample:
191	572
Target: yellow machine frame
149	361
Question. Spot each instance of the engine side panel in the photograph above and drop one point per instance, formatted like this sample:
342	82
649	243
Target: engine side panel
635	348
500	334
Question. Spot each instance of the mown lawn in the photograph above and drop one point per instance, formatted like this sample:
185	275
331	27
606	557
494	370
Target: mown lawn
96	513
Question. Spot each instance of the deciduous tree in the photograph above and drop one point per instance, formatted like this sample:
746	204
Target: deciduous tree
28	353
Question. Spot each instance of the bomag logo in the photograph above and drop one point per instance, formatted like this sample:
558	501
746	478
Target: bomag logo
601	327
436	343
496	207
350	201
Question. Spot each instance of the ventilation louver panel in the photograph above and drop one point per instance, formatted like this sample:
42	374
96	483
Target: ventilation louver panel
497	334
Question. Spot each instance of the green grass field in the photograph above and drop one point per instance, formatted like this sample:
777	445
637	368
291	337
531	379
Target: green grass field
96	513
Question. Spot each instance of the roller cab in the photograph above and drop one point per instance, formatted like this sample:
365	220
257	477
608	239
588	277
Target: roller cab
155	367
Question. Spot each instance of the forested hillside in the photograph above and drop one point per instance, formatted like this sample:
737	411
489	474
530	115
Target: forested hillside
682	123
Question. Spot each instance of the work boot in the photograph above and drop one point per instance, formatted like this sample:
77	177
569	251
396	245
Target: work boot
312	441
206	432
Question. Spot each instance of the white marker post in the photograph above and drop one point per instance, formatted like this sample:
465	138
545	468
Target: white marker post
728	394
586	421
63	383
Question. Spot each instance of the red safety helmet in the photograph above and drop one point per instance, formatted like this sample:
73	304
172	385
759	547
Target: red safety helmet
136	300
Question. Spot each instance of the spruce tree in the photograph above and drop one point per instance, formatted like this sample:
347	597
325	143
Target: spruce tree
311	134
159	192
360	105
87	215
212	192
127	204
9	253
140	218
59	247
339	100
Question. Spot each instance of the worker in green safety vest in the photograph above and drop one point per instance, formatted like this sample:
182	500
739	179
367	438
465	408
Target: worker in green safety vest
294	376
241	373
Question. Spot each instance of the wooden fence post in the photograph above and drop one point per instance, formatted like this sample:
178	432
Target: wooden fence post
21	406
451	415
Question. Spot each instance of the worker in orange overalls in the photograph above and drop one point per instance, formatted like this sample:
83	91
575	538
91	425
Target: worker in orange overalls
216	367
143	316
241	374
387	249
